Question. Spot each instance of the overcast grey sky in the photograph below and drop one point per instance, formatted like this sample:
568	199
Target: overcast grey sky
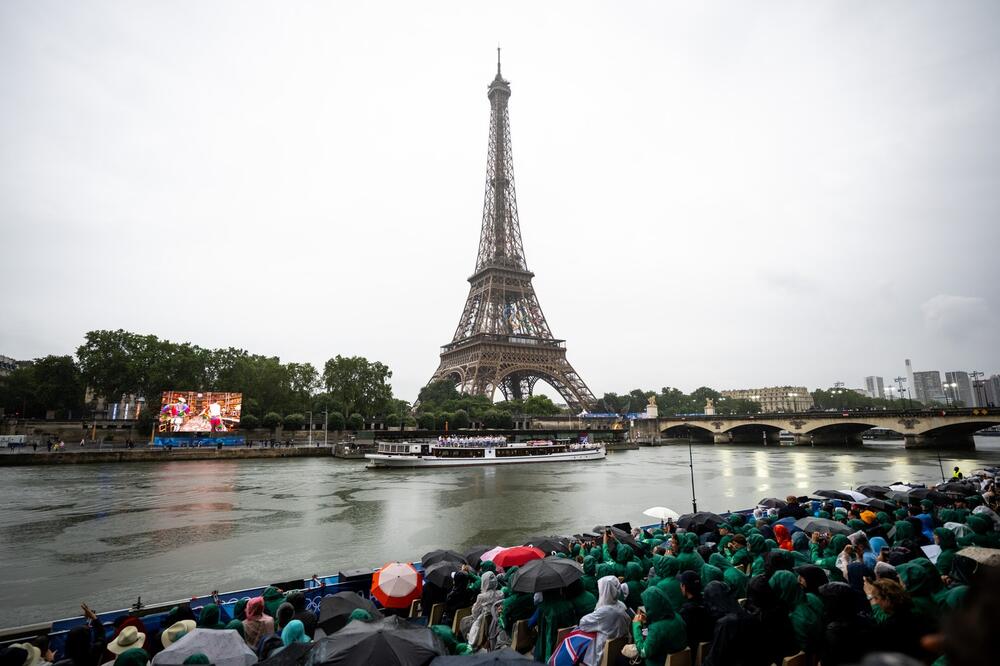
724	193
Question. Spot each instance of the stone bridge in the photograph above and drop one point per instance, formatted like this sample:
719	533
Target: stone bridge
953	428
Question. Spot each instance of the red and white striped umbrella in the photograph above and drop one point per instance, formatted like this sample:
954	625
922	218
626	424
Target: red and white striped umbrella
397	584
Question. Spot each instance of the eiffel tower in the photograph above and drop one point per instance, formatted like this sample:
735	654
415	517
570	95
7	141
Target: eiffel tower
502	340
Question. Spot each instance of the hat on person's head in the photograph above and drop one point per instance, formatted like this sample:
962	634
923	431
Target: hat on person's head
13	655
34	655
176	631
129	637
791	499
926	504
198	658
885	570
868	517
691	580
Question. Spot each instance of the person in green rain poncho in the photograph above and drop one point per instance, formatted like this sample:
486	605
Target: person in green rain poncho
826	557
923	583
659	631
553	614
636	584
733	577
583	601
945	538
688	559
589	579
668	582
903	531
209	618
273	598
805	610
757	546
980	537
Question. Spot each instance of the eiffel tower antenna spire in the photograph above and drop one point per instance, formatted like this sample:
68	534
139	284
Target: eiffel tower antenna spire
503	340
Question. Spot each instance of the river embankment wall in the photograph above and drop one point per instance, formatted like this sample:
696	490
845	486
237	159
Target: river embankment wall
83	457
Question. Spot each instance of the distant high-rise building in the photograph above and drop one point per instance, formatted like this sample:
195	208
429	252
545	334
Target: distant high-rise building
992	386
875	387
775	398
927	386
910	384
958	387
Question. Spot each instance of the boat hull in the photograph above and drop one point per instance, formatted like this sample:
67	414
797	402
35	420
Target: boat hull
388	461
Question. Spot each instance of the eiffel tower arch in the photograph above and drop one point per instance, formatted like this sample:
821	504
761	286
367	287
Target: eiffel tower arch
503	340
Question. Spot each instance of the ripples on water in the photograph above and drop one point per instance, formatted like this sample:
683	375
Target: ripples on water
108	533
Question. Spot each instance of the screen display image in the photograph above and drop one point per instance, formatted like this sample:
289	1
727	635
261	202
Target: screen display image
199	411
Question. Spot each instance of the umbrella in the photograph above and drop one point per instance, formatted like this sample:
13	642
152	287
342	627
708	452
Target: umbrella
475	554
661	512
491	553
789	523
551	573
223	647
873	490
961	530
334	611
772	503
549	544
292	655
810	524
988	556
878	505
845	495
442	556
932	495
899	496
703	521
440	573
389	642
517	556
963	489
621	536
396	585
501	657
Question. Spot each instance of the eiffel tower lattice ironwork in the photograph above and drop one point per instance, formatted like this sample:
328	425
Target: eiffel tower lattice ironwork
502	340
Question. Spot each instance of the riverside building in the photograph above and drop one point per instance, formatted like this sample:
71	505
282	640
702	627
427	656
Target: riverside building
775	398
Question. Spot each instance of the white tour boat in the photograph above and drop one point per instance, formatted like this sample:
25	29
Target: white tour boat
476	451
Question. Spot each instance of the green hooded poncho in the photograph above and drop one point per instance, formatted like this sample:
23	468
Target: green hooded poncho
923	583
209	618
904	531
710	572
132	657
883	519
236	626
733	577
583	601
359	614
554	613
589	580
604	569
272	599
804	610
623	555
980	527
667	632
636	584
949	546
668	583
518	606
688	559
664	567
450	642
827	557
757	546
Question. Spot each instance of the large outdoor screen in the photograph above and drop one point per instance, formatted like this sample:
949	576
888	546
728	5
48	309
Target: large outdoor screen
198	411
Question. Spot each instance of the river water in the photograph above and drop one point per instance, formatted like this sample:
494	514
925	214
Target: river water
105	534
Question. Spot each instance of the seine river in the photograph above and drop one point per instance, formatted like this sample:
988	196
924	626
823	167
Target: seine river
106	534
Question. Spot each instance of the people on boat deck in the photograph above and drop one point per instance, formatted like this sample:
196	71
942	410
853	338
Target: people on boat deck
466	440
747	589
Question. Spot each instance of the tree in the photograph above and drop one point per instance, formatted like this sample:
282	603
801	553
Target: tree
358	385
495	418
335	421
460	419
355	421
426	420
437	393
539	405
294	421
443	418
272	420
249	422
49	383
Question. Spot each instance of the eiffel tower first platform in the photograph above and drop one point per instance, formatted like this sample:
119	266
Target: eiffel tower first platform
502	340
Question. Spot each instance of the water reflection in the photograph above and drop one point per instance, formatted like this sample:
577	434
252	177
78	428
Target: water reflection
108	533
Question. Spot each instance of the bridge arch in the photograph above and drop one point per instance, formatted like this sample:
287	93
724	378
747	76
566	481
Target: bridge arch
964	429
753	433
697	431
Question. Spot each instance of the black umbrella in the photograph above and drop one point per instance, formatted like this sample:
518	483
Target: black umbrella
475	554
504	656
877	504
549	544
550	573
293	655
835	494
334	611
810	525
440	573
703	521
934	496
389	642
958	487
873	490
772	503
621	536
898	496
442	556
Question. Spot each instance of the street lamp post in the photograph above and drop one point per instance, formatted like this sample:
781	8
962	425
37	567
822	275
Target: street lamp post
975	387
953	400
899	381
694	501
325	429
310	428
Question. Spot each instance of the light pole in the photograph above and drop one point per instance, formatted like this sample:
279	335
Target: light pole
890	390
950	385
694	501
325	440
899	381
310	428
